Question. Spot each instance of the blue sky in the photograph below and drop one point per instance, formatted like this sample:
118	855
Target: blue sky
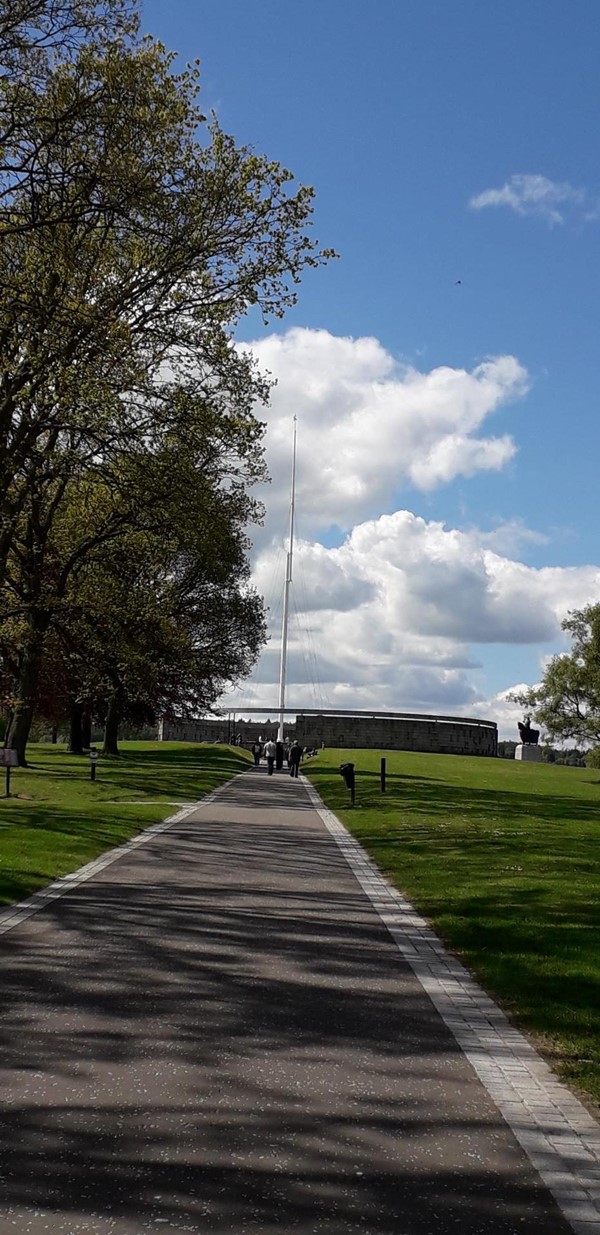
445	141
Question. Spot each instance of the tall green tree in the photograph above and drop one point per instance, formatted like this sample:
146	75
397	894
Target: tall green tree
567	701
133	236
35	37
178	506
31	30
143	236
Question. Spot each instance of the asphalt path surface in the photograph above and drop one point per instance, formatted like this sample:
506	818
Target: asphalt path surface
217	1034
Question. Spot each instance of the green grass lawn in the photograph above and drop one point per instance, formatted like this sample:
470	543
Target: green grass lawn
57	819
503	858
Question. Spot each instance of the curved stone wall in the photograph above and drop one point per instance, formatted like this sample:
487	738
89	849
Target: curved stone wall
443	737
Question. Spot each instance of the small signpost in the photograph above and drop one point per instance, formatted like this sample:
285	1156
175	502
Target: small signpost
93	762
8	759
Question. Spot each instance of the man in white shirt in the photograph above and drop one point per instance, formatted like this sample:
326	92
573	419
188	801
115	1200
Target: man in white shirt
270	752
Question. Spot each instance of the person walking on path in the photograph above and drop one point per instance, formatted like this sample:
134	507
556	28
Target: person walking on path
295	757
256	751
270	752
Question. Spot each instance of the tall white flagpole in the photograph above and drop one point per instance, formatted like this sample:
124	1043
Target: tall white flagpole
286	596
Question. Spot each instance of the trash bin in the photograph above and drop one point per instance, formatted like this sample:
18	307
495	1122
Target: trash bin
347	772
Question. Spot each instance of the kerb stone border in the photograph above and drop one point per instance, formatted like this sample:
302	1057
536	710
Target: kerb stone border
558	1134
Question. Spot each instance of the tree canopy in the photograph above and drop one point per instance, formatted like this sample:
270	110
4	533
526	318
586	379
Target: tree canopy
134	235
567	701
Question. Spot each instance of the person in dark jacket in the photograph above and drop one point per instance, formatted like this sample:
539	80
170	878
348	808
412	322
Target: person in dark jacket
278	756
295	757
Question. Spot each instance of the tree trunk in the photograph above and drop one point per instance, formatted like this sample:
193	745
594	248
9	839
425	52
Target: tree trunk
86	730
27	688
7	724
75	746
111	728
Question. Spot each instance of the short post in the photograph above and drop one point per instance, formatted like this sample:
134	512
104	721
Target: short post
382	775
93	762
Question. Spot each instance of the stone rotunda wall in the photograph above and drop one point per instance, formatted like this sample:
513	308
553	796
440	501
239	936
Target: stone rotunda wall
443	737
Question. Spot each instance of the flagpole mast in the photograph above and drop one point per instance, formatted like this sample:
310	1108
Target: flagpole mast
286	595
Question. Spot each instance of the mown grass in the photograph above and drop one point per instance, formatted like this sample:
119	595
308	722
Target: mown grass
58	819
504	859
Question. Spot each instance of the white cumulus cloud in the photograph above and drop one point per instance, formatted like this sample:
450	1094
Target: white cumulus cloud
390	618
529	194
369	425
405	612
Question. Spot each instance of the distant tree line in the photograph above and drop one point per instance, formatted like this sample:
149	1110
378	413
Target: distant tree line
134	236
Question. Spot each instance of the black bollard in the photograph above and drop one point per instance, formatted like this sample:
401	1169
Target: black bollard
382	775
347	771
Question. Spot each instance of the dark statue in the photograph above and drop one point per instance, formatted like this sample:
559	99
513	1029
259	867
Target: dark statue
529	736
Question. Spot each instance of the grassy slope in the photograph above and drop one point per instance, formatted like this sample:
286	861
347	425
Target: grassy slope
504	859
59	820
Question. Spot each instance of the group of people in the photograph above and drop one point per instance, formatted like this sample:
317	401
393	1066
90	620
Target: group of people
276	754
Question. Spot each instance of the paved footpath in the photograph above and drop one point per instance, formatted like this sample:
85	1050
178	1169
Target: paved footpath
217	1032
